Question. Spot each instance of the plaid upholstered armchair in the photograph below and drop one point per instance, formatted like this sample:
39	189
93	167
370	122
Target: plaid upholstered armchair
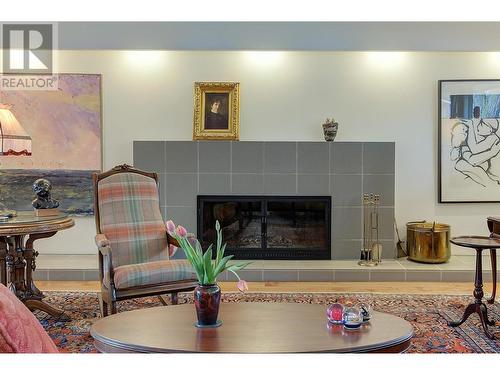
134	247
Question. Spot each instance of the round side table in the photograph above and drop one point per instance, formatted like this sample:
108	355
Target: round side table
18	257
479	243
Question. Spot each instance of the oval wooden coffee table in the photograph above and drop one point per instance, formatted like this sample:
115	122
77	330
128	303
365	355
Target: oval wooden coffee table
247	328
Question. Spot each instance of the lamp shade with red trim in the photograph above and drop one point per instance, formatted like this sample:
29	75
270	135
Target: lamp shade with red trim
14	140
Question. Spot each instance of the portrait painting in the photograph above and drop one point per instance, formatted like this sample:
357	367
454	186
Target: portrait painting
53	134
469	141
216	110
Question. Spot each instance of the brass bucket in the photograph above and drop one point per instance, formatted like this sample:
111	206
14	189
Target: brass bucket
428	242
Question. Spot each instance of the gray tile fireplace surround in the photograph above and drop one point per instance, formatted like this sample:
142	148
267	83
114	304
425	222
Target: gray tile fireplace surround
343	170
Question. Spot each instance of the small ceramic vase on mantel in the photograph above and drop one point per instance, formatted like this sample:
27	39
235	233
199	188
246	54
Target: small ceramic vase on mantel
330	128
207	302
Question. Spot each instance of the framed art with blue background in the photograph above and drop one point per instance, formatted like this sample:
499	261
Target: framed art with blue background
469	141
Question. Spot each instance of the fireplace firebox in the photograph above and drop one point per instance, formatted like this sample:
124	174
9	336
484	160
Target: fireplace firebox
268	227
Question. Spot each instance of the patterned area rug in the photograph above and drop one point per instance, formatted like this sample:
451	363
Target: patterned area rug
427	313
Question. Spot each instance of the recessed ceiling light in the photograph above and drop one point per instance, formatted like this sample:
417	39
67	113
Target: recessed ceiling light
264	58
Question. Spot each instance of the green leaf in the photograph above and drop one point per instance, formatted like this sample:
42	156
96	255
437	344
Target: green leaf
235	274
223	249
193	259
221	266
207	270
220	255
209	248
219	239
198	254
237	267
199	250
220	248
191	256
207	258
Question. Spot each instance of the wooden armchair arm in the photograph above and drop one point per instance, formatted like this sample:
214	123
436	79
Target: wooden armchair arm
172	241
101	240
105	259
173	244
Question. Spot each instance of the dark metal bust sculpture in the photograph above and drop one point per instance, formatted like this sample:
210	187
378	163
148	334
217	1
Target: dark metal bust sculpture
42	188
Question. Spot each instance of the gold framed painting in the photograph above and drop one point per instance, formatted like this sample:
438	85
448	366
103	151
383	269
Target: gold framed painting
216	110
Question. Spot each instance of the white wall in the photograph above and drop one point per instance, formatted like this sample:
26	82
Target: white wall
286	96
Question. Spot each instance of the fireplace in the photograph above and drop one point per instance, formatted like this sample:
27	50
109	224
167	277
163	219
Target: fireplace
267	227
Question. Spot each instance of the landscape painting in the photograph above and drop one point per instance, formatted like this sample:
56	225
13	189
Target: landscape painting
469	135
53	134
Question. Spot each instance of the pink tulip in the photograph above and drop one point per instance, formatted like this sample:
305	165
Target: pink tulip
242	286
181	231
170	227
192	240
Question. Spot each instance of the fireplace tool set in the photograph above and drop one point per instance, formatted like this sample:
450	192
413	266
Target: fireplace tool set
371	253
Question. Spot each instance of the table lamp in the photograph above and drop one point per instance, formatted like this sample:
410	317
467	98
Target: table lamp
14	142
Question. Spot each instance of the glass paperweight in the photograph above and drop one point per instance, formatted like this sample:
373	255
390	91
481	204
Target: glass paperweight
366	310
335	312
353	317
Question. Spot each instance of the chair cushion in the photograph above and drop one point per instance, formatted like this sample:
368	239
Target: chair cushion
20	331
150	273
130	217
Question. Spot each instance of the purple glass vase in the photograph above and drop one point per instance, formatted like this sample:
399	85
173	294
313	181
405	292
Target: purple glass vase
207	301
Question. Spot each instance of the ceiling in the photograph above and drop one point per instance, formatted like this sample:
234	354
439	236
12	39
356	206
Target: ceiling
299	36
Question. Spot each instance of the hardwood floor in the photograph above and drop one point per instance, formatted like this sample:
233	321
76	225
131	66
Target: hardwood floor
312	287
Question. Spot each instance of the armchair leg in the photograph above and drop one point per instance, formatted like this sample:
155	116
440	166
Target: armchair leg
163	300
175	298
105	309
113	307
103	306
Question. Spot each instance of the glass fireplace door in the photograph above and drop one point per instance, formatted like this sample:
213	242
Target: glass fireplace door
241	223
296	224
268	227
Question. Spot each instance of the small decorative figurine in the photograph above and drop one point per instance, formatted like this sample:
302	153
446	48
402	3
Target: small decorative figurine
44	201
334	313
330	128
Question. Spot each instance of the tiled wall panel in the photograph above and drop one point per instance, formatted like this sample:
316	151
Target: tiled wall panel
343	170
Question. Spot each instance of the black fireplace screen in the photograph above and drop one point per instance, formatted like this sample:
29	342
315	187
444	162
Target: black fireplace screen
267	227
